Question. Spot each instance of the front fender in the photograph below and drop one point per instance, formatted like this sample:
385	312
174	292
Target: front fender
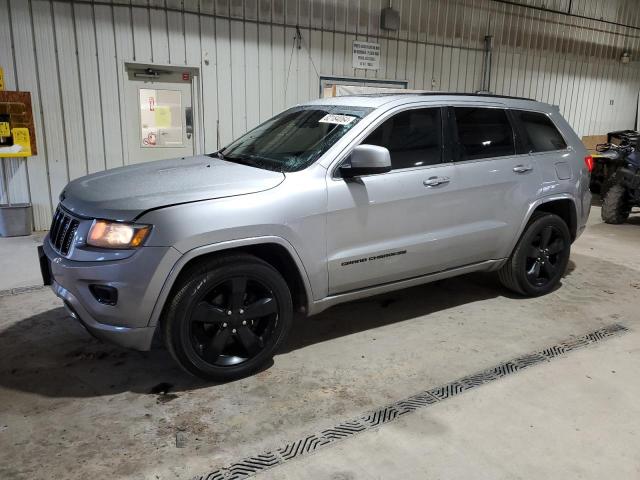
220	247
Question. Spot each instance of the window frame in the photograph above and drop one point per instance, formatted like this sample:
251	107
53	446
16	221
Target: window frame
516	121
455	139
369	129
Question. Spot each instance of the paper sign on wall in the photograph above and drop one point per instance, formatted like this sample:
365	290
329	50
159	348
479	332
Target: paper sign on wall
163	116
160	118
366	55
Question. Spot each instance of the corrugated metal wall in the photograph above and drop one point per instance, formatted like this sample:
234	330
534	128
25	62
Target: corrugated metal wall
69	54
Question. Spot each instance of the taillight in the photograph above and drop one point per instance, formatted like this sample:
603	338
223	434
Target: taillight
588	161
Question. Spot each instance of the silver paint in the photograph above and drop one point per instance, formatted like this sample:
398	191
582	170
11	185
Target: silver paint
409	228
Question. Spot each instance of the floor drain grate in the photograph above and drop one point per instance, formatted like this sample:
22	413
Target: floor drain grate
252	465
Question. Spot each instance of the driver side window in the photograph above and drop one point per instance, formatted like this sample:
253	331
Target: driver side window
413	138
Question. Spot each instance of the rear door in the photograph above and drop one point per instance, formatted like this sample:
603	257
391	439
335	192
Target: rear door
494	181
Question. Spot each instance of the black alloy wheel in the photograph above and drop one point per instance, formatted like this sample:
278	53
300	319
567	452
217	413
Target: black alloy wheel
227	317
544	256
233	321
540	257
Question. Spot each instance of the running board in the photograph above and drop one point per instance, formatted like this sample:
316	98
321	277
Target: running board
330	301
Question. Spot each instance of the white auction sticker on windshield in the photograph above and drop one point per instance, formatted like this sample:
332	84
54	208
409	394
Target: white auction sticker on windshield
337	119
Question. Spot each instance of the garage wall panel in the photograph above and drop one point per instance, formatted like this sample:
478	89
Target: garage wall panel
251	66
28	79
52	113
90	87
13	171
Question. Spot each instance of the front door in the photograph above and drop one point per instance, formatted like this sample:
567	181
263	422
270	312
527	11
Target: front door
383	228
160	120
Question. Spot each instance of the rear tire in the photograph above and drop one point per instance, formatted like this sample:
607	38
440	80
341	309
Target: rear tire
615	207
540	258
228	317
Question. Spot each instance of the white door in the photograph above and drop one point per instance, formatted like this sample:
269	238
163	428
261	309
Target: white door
160	117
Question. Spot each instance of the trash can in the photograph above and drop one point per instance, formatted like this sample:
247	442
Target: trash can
15	219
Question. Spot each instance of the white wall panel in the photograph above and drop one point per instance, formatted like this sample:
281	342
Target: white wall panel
28	80
52	114
90	87
109	89
70	90
13	171
158	24
251	68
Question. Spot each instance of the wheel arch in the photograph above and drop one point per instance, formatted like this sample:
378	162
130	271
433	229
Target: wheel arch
565	208
563	205
276	251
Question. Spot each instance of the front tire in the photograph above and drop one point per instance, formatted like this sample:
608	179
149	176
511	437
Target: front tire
540	258
615	207
227	317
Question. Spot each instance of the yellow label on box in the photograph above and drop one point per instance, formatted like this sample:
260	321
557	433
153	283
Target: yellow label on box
21	144
4	129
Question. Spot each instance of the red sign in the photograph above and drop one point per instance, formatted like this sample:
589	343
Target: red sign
186	76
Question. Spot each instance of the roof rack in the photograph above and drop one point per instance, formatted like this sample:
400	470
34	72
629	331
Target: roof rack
477	94
454	94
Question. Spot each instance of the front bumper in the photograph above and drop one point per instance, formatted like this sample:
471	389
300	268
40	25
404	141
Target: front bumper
138	279
136	338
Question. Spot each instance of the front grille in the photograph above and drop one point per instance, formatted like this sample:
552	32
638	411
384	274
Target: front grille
63	229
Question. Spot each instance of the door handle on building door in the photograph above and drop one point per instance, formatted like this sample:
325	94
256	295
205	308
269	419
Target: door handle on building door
188	120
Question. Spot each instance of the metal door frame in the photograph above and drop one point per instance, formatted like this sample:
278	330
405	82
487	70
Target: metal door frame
338	80
196	100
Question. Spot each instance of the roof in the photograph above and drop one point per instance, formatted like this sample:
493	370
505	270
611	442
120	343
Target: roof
377	100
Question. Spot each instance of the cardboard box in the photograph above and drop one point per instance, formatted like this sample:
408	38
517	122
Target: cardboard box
590	141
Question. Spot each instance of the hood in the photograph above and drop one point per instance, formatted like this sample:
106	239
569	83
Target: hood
124	193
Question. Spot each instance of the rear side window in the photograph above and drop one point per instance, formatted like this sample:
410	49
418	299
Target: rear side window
483	133
539	132
413	138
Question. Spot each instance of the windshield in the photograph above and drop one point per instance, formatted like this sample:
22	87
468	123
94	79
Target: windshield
294	139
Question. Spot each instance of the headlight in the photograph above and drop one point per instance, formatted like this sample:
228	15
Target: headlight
105	234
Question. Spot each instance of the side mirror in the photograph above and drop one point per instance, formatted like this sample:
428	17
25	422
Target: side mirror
367	160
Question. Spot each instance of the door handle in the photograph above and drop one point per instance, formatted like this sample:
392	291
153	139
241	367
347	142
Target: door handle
522	168
435	181
188	121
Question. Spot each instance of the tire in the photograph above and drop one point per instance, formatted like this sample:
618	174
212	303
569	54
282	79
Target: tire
540	257
615	207
606	185
228	317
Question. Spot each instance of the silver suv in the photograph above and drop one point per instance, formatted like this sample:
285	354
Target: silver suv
327	202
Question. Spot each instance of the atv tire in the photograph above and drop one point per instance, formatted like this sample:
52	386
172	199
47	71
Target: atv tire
615	206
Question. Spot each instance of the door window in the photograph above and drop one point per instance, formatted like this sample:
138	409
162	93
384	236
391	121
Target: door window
413	138
483	133
160	118
539	132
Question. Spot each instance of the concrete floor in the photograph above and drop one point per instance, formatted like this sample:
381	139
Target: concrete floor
20	266
71	407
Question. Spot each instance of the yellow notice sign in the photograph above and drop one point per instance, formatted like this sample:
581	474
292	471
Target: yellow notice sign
4	129
163	116
21	139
